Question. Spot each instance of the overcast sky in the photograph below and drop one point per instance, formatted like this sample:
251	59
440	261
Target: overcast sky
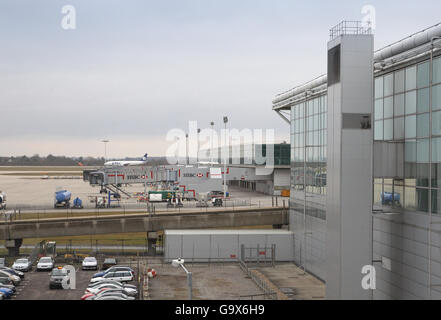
132	70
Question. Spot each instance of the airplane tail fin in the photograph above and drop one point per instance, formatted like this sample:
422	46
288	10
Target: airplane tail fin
144	158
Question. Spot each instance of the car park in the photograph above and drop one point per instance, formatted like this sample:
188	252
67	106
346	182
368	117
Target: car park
89	263
15	279
121	276
22	264
57	276
113	269
13	272
108	263
45	263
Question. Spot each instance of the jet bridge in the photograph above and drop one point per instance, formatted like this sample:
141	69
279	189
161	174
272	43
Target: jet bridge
187	179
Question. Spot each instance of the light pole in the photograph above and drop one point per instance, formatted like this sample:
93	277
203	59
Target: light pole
225	160
186	149
211	150
105	148
197	152
180	263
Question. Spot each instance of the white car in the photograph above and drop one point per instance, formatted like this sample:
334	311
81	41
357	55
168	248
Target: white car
89	263
22	264
131	291
45	263
120	276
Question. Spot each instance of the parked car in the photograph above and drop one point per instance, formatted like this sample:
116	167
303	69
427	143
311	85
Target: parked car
6	281
8	286
89	263
109	298
13	272
15	279
57	277
121	276
95	284
108	263
7	292
106	293
22	264
127	290
114	269
2	262
45	263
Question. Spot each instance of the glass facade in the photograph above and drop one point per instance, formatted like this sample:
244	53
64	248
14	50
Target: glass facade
407	111
414	122
308	156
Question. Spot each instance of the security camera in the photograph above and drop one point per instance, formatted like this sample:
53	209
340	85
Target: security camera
177	262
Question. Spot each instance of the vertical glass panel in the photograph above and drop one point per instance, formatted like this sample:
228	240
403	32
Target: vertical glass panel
410	151
410	102
437	70
423	125
399	105
388	107
399	128
379	87
423	75
410	127
436	123
436	201
378	190
410	78
378	109
378	131
389	85
410	198
436	97
422	174
423	150
423	100
436	175
422	200
436	150
416	199
399	81
388	129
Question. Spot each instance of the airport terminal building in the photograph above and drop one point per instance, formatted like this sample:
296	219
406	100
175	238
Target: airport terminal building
366	166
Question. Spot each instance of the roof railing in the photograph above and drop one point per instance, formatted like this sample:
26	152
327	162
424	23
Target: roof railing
350	27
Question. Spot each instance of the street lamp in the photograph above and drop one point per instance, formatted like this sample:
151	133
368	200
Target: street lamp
186	149
225	160
212	133
105	148
180	263
197	152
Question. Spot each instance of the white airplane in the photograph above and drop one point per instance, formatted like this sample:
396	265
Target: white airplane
126	163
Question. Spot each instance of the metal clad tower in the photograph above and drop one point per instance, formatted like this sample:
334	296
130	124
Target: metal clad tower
349	167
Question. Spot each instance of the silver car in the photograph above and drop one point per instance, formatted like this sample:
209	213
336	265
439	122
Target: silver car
22	264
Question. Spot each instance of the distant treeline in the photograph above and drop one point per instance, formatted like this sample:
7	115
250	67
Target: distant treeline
52	160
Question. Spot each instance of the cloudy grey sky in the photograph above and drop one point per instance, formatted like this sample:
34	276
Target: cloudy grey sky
134	69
